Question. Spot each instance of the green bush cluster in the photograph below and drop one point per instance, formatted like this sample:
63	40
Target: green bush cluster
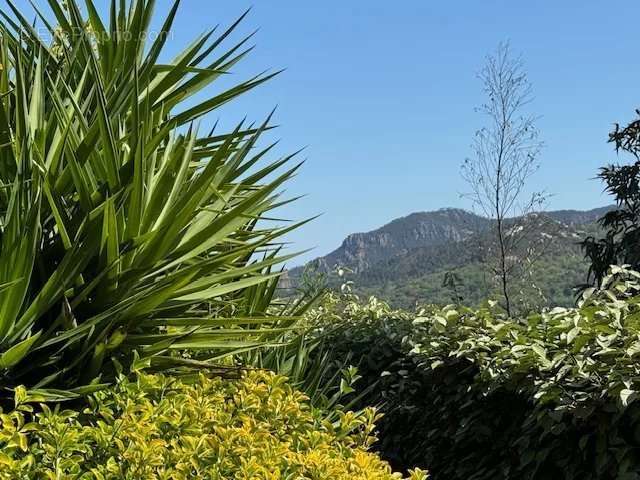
208	428
371	335
474	394
131	241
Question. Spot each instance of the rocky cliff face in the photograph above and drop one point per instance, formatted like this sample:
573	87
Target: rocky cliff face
405	261
360	251
419	238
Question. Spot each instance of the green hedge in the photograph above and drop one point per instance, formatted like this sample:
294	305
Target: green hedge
476	395
160	427
372	336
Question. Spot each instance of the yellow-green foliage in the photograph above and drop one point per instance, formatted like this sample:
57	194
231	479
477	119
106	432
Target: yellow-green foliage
255	428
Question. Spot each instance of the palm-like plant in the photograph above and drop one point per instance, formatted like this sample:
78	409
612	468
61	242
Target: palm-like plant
124	232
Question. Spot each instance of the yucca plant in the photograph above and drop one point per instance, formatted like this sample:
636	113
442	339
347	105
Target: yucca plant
127	234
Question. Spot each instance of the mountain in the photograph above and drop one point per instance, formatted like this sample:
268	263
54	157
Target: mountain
579	217
360	251
405	261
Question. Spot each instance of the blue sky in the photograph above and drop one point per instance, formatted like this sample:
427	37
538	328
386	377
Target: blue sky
383	93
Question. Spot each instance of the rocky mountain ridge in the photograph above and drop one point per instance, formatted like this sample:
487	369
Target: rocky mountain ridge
360	251
419	248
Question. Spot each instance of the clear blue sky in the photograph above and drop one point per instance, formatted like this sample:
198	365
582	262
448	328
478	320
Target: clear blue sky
383	95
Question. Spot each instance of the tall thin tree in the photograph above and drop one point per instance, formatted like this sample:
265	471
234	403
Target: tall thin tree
505	156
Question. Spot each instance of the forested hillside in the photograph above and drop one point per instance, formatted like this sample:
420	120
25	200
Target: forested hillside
405	262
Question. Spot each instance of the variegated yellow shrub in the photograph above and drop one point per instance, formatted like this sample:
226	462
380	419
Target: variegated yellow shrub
160	427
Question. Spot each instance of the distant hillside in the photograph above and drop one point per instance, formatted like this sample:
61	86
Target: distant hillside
578	217
360	251
405	261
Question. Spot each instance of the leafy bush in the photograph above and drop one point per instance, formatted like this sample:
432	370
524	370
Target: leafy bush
208	428
619	244
307	362
124	229
477	395
370	335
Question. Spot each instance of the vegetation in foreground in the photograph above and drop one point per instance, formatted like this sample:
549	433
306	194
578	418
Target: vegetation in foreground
476	394
255	428
130	241
620	245
124	228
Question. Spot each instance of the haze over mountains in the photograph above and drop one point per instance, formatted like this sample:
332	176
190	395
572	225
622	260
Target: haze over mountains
404	261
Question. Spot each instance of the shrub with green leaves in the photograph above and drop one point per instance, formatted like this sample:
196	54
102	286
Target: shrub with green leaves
549	396
123	227
370	335
205	428
474	394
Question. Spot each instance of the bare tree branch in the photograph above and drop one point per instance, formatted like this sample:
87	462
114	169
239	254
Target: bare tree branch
505	156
